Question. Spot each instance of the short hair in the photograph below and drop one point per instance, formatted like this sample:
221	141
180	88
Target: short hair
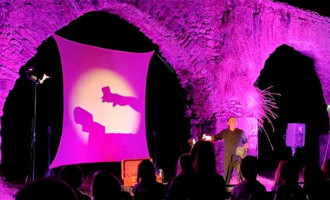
250	167
230	118
72	174
105	184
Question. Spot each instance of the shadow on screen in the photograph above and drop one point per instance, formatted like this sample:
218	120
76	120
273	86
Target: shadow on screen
120	100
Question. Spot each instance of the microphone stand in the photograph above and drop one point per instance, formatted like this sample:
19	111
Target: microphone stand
31	174
36	82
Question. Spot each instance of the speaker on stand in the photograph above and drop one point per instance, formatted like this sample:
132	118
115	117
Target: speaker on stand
295	136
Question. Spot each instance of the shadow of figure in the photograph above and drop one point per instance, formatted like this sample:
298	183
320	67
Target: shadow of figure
120	100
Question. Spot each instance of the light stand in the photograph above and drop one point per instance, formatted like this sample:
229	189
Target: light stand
36	82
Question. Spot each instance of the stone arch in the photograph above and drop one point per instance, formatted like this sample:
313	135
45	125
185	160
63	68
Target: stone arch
24	38
200	39
293	73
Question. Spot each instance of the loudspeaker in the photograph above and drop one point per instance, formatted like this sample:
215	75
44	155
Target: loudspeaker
295	135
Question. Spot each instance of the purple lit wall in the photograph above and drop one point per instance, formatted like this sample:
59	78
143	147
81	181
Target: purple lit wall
217	48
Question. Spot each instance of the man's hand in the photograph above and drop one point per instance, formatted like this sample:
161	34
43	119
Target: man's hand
207	138
245	145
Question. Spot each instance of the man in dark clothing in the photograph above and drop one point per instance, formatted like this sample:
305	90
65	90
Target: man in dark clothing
233	137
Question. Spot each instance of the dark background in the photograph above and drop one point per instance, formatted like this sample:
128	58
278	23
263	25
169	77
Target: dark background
320	6
293	76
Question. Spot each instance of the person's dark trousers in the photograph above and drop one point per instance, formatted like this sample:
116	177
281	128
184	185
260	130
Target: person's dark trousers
228	170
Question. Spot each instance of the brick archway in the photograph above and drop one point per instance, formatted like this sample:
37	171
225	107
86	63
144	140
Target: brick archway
216	47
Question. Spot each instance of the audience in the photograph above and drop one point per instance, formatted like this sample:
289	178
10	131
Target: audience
47	189
207	183
204	182
196	178
315	183
184	166
179	187
105	185
147	186
326	169
73	175
250	188
290	188
277	178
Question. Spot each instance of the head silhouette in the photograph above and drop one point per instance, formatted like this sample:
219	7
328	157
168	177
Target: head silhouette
204	157
250	167
277	176
146	172
47	189
313	174
290	172
105	185
184	165
72	174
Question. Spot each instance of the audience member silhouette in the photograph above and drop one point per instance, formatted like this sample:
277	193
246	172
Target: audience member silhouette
277	178
315	184
47	189
179	187
147	186
326	169
290	188
105	185
206	182
250	188
73	175
184	166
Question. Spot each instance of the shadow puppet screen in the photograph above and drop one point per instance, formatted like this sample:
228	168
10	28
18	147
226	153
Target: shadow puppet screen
104	104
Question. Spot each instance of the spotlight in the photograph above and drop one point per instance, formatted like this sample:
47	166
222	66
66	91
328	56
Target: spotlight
34	78
44	77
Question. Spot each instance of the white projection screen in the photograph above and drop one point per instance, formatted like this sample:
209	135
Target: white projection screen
104	104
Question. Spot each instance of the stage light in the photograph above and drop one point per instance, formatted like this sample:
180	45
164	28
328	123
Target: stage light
44	77
34	78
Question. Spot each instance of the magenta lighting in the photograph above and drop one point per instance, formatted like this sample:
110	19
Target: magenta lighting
104	104
216	47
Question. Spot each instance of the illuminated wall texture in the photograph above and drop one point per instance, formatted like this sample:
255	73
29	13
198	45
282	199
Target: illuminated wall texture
216	47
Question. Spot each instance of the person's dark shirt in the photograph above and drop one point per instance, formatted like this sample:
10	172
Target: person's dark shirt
197	186
232	140
289	191
208	186
180	187
249	190
148	191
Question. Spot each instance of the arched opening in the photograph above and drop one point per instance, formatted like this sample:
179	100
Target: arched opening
166	123
301	100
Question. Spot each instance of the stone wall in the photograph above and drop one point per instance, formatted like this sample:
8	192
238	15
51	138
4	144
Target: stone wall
216	47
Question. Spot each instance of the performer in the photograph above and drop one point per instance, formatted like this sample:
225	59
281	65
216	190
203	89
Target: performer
233	138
